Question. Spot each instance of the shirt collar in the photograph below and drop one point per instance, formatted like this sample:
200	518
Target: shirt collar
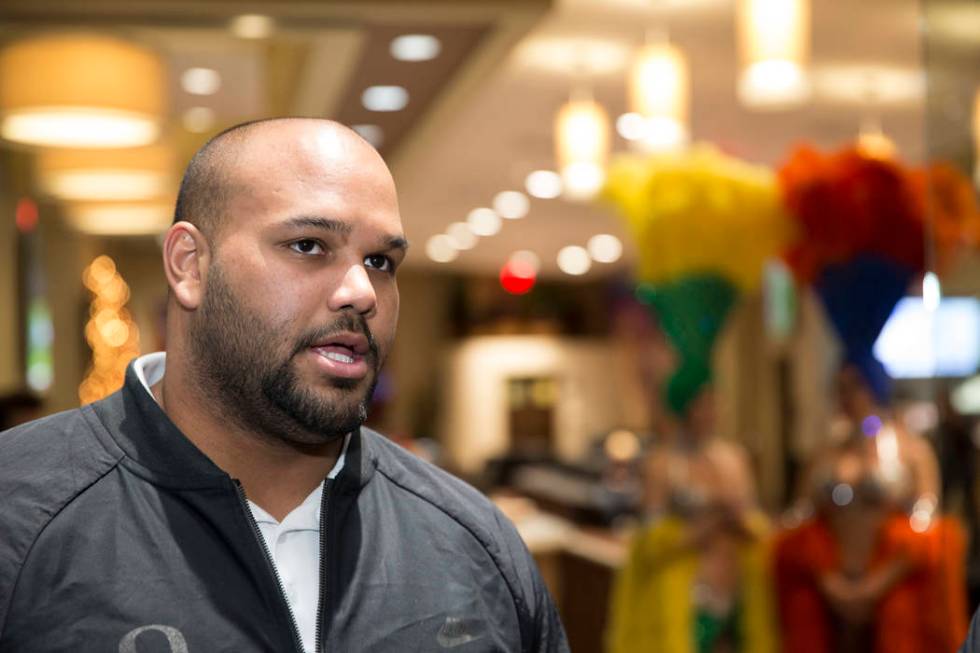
304	517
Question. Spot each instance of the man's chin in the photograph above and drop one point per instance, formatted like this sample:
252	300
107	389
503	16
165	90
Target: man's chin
321	419
341	396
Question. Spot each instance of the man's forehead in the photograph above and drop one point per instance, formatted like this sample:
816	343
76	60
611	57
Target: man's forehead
316	146
319	140
282	170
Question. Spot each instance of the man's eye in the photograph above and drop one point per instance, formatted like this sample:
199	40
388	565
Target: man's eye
306	246
379	262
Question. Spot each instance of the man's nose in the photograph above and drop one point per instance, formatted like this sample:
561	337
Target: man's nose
355	291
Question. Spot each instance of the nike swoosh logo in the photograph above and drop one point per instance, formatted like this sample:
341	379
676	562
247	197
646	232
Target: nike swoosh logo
456	632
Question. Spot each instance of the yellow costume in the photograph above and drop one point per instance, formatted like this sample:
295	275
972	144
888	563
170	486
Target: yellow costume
652	610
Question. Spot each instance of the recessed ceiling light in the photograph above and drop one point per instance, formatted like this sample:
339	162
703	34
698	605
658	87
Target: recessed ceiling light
605	248
415	47
384	98
574	260
373	134
511	204
543	184
440	249
252	26
461	235
631	126
527	257
200	81
483	221
198	119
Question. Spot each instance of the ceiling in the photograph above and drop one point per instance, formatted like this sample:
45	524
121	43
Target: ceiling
483	149
480	115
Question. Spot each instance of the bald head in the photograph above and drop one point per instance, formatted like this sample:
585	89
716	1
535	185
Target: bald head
220	169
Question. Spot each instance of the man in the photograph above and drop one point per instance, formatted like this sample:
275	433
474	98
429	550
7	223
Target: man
227	498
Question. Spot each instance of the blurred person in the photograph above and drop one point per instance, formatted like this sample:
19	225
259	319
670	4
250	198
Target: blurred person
957	450
228	497
875	568
906	465
957	454
696	576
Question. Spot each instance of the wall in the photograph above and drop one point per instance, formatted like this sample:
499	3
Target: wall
474	403
423	328
11	376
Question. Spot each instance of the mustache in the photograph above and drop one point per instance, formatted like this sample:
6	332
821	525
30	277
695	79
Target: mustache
346	323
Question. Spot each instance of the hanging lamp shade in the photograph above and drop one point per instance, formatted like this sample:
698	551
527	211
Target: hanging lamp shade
659	92
119	174
80	90
147	218
774	43
582	143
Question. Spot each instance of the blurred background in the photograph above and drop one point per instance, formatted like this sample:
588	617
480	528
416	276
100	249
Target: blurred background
693	291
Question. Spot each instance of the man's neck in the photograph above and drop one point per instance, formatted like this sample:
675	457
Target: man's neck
276	475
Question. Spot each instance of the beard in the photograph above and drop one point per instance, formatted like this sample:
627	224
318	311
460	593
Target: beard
243	365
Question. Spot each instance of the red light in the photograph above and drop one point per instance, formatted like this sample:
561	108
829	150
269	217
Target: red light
25	215
517	277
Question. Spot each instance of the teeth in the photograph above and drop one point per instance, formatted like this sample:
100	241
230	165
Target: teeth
340	358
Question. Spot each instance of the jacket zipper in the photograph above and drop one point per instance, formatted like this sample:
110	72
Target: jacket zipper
322	598
297	640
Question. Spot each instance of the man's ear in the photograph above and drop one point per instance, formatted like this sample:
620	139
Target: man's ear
186	256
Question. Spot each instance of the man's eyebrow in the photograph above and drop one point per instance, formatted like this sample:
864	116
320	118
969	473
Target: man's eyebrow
341	227
317	222
396	242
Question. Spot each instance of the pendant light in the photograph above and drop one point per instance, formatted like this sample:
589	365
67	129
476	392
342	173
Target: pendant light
80	90
139	173
773	38
659	92
582	146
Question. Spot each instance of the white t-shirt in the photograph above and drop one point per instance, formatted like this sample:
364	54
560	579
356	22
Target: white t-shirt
294	543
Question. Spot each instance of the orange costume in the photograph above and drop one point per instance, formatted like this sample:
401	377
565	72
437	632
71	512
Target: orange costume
925	612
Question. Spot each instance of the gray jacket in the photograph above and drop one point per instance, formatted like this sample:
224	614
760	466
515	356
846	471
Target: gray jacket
972	643
118	534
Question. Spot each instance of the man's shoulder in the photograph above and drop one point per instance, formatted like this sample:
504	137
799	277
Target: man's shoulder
55	442
44	466
45	463
429	482
472	511
20	446
454	499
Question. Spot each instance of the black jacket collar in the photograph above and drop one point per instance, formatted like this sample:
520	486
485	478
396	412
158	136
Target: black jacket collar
158	450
